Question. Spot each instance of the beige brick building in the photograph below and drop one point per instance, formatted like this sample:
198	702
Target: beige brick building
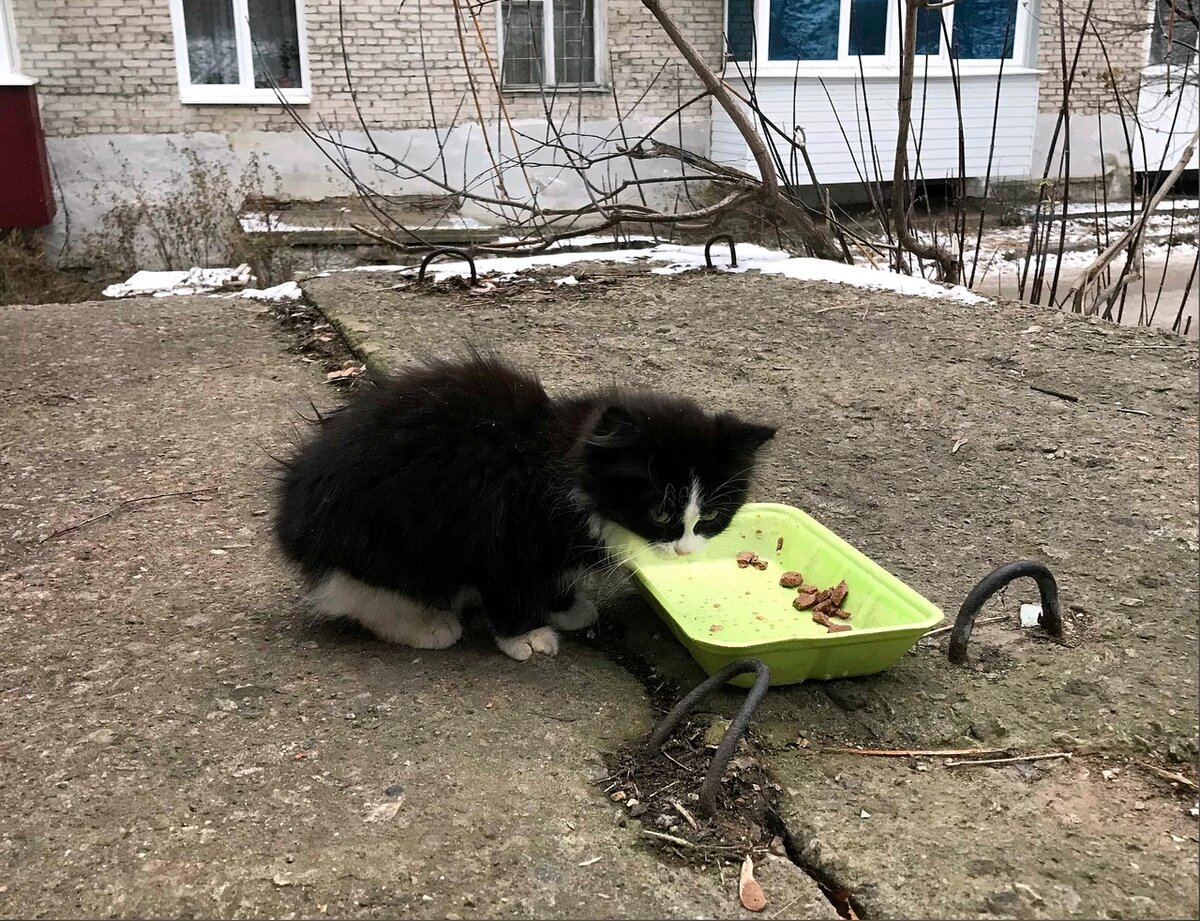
141	97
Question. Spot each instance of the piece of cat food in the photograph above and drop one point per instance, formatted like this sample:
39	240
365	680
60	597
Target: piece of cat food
791	579
745	558
839	592
838	612
809	589
820	617
804	601
758	564
779	545
715	628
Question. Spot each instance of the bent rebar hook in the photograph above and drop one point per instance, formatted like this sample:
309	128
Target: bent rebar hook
737	728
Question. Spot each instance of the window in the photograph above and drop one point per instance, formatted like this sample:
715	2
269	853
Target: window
548	43
984	29
240	51
837	35
1173	39
10	64
805	30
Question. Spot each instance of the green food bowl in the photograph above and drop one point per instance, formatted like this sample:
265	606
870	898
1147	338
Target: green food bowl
722	612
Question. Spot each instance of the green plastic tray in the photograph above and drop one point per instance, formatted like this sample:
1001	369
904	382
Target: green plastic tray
754	615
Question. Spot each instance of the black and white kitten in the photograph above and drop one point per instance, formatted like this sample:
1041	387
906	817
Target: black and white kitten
463	483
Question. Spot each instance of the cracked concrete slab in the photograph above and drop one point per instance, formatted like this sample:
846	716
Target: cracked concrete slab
910	427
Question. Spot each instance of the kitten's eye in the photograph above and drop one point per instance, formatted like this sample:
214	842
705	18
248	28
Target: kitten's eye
710	515
658	516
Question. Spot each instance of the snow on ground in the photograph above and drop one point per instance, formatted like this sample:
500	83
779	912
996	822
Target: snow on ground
690	258
214	282
189	281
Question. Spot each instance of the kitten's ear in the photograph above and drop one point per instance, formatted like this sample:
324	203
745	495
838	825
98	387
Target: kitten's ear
616	428
742	436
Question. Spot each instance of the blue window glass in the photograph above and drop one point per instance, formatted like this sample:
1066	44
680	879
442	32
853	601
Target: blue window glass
984	29
739	30
868	26
804	30
929	31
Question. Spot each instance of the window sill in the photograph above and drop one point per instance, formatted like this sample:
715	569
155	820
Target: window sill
845	70
222	96
17	80
561	89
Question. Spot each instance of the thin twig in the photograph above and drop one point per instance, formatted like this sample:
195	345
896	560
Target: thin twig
1045	757
983	620
913	752
120	505
1134	412
1168	775
1070	398
683	812
671	839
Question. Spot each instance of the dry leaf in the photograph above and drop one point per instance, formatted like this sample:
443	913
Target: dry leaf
749	891
344	373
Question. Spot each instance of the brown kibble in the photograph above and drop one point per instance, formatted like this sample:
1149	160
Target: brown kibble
804	601
838	612
824	605
759	617
715	628
758	564
791	579
839	592
809	589
779	545
822	618
745	558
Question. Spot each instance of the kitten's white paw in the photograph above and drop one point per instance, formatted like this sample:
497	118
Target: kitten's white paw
581	614
440	630
542	640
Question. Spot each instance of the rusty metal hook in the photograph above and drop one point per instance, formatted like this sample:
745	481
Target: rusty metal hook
1050	619
720	238
737	728
447	251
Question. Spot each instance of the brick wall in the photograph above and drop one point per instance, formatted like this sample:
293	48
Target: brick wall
108	66
1122	26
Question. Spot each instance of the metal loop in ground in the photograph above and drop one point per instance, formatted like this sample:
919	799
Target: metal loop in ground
720	238
737	728
1050	619
447	251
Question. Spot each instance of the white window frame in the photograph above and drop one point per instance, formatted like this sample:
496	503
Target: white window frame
888	65
245	92
599	54
10	60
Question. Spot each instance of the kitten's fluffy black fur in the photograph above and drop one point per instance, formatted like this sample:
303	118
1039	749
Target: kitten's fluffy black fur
466	476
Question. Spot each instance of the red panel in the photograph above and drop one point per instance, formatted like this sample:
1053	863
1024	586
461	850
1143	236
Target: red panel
26	199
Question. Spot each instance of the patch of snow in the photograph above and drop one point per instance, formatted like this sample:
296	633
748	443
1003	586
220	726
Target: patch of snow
568	280
288	291
690	258
191	281
260	222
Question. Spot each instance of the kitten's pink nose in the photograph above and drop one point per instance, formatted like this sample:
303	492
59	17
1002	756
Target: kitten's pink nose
681	552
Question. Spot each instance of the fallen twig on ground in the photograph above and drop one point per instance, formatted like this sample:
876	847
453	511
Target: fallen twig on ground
670	839
983	620
1169	775
912	752
683	812
1046	757
120	505
1070	398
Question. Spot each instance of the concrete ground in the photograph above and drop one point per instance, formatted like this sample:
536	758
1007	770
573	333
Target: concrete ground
180	741
911	428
